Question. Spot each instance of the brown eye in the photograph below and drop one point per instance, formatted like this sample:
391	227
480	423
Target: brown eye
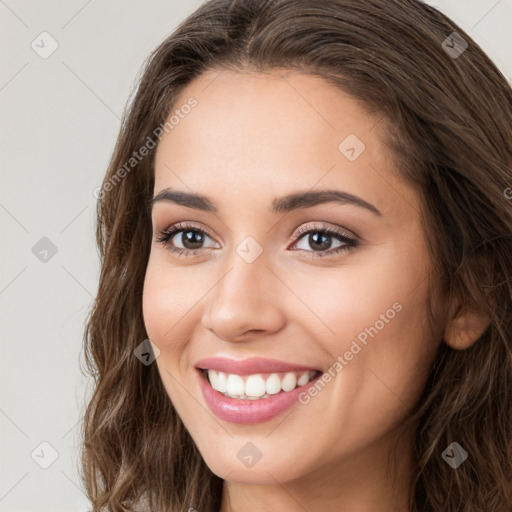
183	239
190	239
320	240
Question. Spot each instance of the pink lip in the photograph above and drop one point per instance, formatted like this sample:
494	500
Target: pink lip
237	410
249	366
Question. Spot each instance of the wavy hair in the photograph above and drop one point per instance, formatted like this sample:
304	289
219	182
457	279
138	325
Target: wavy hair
450	119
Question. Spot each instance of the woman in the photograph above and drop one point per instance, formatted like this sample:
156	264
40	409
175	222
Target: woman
308	214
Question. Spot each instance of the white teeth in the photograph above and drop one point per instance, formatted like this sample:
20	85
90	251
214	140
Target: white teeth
303	379
289	382
235	385
221	381
214	378
273	384
252	387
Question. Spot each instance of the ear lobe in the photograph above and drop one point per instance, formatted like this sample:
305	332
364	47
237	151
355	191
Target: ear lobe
465	328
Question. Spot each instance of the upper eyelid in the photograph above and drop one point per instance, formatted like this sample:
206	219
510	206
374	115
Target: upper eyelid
338	230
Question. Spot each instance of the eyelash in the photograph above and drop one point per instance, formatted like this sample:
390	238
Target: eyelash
166	235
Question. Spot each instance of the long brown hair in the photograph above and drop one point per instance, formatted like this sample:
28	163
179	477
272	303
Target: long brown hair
450	117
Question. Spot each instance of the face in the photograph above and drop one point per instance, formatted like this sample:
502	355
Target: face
301	278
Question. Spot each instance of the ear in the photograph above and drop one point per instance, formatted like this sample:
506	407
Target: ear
464	327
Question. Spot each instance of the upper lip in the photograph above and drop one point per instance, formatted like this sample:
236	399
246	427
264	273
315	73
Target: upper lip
250	366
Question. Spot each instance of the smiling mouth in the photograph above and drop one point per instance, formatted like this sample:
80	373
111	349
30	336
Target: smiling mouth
259	385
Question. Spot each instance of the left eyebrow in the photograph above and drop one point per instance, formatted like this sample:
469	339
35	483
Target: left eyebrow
295	201
308	199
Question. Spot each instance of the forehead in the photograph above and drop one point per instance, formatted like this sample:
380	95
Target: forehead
248	111
273	133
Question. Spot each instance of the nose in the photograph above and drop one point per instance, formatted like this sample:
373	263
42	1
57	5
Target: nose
245	302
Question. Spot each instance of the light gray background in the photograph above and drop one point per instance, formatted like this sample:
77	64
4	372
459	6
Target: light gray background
59	121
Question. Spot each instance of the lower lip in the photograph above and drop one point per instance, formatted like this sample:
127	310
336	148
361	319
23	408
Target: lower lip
247	411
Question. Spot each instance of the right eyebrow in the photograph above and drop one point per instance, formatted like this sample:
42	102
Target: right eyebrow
187	199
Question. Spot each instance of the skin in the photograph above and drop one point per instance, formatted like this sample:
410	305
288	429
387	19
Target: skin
251	138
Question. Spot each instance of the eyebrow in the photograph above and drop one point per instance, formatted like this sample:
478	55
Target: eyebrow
295	201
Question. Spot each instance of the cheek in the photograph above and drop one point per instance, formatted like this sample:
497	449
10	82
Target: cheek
155	304
167	308
373	315
376	323
344	301
167	304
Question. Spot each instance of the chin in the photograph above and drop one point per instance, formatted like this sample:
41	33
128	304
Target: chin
248	462
262	473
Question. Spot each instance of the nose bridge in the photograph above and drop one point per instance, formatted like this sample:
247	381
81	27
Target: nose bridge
243	299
